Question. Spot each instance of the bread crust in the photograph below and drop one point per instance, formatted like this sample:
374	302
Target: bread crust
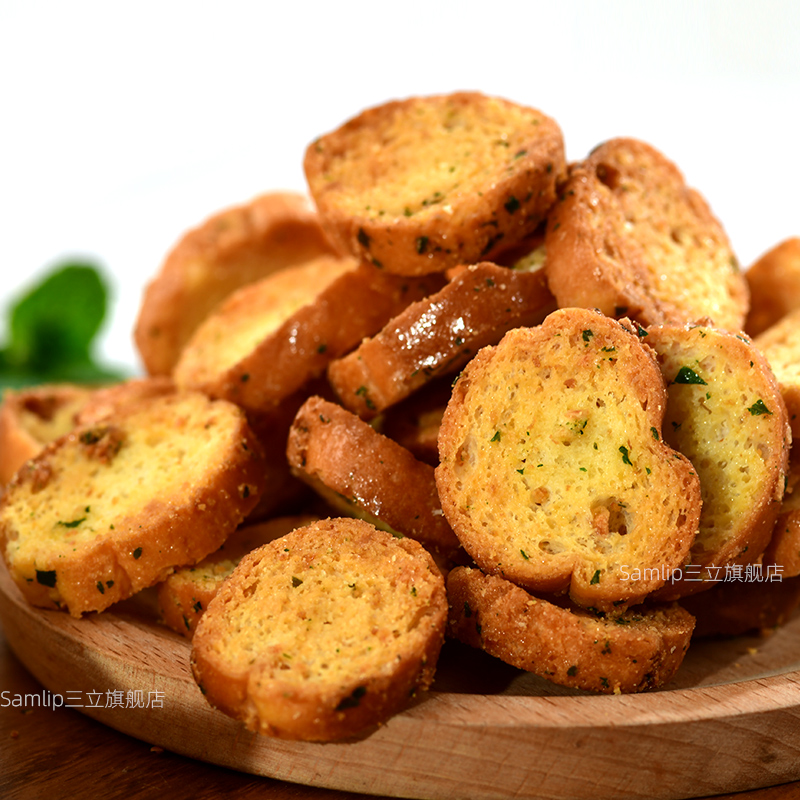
422	184
782	554
232	248
356	623
725	413
115	506
361	472
553	472
774	282
630	238
30	418
638	650
184	596
780	344
438	335
270	338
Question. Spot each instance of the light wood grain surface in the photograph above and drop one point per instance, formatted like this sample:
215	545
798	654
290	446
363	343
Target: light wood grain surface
752	734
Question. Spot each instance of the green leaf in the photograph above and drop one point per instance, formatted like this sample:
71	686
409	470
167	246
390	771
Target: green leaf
52	328
689	376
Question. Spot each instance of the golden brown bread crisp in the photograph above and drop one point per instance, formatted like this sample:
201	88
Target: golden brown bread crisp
553	470
232	248
780	344
422	184
30	418
184	596
115	506
630	238
774	281
323	633
782	554
362	473
270	338
725	413
438	335
637	650
108	400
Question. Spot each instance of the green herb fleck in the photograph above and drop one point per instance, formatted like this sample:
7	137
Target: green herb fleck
572	671
687	375
524	555
421	244
46	577
512	204
72	523
137	553
758	408
587	334
197	607
353	700
296	581
363	392
654	431
595	578
100	587
625	455
363	238
496	437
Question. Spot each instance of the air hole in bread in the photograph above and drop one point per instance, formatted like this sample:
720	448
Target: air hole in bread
607	175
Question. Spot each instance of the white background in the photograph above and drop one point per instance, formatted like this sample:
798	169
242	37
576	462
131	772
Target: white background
124	124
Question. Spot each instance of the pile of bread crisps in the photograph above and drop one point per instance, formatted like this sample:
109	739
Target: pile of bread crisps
463	390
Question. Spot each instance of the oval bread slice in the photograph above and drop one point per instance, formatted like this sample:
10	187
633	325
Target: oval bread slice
630	238
774	281
423	184
115	506
234	247
780	344
323	633
640	649
553	471
725	413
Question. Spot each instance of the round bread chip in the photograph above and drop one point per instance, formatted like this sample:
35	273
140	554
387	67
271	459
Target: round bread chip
232	248
553	470
323	633
637	650
630	238
115	506
426	183
774	281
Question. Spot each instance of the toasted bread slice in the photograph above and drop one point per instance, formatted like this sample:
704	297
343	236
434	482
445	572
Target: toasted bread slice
782	554
270	338
774	281
184	596
109	400
780	345
725	413
115	506
422	184
30	418
640	649
438	335
234	247
631	239
323	633
364	474
734	608
553	470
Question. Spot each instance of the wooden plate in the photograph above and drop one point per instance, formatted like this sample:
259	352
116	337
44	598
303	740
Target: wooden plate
729	722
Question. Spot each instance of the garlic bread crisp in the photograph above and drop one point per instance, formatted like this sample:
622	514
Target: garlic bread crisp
232	248
780	344
774	281
438	335
629	237
115	506
554	473
419	185
639	649
725	413
324	633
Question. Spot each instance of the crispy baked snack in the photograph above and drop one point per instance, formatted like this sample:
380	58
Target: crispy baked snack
774	281
637	650
109	400
735	608
184	596
115	506
234	247
364	474
630	238
554	473
725	413
782	554
422	184
30	418
323	633
780	345
438	335
270	338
